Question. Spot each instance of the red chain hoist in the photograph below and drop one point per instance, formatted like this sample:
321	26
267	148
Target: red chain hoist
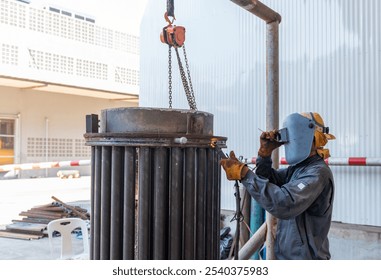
174	36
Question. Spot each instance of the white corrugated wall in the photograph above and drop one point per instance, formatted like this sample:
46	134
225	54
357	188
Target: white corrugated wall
329	63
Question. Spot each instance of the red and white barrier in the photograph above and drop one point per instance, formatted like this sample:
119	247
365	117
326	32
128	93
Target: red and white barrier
350	161
43	165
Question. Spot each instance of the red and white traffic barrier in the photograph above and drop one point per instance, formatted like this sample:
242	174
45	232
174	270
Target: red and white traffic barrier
350	161
43	165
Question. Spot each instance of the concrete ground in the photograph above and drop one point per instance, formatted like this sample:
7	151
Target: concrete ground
16	249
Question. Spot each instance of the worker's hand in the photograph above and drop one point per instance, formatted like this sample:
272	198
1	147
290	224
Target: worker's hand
268	143
235	170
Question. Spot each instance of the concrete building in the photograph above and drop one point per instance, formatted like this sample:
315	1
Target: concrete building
56	66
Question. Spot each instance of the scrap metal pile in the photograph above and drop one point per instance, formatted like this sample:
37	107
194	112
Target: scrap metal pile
35	220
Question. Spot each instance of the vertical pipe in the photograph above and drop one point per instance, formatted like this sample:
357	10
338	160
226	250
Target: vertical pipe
96	206
272	81
160	204
209	205
189	204
216	205
116	225
256	220
144	206
105	203
129	203
272	114
176	204
201	204
92	186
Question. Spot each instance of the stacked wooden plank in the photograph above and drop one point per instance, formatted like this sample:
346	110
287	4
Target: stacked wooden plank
34	221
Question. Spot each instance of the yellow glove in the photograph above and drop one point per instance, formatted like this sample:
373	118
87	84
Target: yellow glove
235	170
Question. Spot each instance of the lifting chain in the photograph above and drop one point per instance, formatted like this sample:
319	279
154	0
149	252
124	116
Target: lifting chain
174	36
187	86
185	78
191	93
170	76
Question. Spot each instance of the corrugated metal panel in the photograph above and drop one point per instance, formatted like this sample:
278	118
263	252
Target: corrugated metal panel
329	63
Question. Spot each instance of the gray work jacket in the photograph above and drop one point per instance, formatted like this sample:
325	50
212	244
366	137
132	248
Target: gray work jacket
301	197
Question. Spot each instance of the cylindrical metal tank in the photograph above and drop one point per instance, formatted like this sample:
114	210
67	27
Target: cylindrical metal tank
155	188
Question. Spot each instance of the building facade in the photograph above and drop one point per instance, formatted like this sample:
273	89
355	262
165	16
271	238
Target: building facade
56	66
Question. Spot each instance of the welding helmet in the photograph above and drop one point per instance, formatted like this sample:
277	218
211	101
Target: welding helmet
298	134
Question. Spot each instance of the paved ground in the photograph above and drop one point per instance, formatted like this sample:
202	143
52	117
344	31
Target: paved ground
20	195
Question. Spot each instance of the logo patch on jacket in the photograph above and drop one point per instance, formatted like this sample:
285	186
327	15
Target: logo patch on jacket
301	186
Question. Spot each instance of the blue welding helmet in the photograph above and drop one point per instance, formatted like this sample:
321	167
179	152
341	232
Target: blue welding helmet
297	134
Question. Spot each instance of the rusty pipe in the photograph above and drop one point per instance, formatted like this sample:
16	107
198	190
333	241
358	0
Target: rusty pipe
272	115
259	9
272	20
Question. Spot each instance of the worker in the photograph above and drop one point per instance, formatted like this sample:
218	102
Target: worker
301	195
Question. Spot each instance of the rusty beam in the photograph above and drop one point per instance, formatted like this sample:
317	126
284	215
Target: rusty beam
259	9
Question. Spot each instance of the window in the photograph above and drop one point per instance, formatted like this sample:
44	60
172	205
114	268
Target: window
7	141
79	17
66	13
54	10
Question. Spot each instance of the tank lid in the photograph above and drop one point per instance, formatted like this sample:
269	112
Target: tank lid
155	120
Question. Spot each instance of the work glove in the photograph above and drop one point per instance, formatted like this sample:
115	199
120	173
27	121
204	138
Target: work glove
234	169
268	143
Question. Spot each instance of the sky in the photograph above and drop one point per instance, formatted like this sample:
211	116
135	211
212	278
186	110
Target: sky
122	15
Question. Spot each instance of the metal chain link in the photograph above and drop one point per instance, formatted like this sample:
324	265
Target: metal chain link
189	79
185	82
188	88
170	76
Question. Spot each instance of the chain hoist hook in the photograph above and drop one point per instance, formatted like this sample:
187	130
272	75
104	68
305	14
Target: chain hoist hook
168	20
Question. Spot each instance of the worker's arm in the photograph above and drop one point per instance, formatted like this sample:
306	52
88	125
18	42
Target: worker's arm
265	170
288	200
285	200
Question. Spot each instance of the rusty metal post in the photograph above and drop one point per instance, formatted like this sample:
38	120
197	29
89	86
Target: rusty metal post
272	19
272	116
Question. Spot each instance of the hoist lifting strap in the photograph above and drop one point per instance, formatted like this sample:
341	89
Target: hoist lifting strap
170	8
